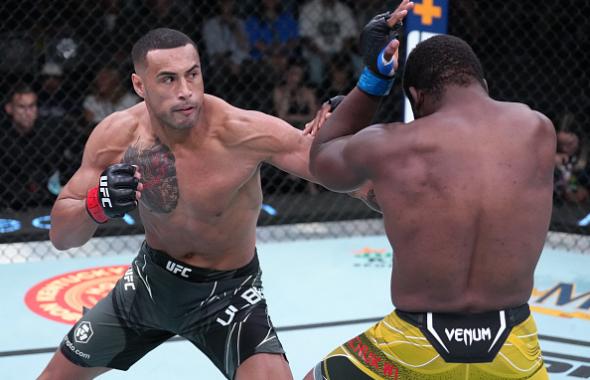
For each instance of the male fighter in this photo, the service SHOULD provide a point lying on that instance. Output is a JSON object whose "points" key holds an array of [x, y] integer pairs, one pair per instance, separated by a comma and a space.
{"points": [[190, 162], [466, 195]]}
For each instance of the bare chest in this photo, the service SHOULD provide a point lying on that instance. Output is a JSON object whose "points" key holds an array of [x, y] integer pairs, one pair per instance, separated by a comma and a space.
{"points": [[191, 183]]}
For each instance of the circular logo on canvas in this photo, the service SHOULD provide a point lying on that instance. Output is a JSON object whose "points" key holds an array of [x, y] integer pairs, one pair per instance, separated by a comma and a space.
{"points": [[63, 297]]}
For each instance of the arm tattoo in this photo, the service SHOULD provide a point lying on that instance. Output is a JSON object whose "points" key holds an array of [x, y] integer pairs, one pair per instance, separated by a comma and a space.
{"points": [[158, 175]]}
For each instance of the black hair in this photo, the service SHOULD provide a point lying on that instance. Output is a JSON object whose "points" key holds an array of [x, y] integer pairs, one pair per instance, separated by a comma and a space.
{"points": [[20, 88], [440, 61], [160, 38]]}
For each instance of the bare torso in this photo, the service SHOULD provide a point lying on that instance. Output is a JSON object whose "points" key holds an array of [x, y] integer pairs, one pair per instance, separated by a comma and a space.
{"points": [[466, 205], [200, 203]]}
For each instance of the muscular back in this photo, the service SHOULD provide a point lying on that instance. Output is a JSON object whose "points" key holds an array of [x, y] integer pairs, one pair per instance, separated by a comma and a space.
{"points": [[466, 195]]}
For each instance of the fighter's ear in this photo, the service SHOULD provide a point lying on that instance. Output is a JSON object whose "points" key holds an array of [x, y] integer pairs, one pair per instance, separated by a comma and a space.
{"points": [[8, 108], [138, 85], [417, 96]]}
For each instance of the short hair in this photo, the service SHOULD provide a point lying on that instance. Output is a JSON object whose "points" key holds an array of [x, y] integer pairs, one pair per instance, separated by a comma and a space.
{"points": [[19, 89], [160, 38], [440, 61]]}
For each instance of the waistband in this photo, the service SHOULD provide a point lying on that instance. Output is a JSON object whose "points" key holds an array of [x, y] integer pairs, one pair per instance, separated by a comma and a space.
{"points": [[514, 315], [197, 274]]}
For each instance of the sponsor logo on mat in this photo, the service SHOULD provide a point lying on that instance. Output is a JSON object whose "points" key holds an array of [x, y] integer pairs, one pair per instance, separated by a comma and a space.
{"points": [[562, 299], [63, 297]]}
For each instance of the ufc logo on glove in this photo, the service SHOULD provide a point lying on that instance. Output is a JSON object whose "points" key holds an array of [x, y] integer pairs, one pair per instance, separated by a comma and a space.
{"points": [[105, 201]]}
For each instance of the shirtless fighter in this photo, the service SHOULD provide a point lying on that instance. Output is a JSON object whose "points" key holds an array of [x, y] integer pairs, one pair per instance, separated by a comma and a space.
{"points": [[190, 162], [466, 195]]}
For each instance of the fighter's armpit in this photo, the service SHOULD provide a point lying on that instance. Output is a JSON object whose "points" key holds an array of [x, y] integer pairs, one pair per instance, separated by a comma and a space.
{"points": [[366, 193]]}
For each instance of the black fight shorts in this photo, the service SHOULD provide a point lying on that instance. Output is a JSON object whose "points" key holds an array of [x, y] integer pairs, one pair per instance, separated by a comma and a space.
{"points": [[223, 313]]}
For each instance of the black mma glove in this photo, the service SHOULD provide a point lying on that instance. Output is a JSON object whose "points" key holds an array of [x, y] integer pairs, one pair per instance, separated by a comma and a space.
{"points": [[114, 195], [377, 77]]}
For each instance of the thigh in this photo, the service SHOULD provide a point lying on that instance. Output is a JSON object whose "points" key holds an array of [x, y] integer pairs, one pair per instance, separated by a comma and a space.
{"points": [[395, 349], [519, 356], [240, 331], [390, 349], [339, 365], [111, 334]]}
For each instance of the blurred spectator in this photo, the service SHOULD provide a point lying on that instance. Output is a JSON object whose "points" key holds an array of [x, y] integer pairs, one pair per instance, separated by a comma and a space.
{"points": [[227, 46], [296, 103], [54, 100], [31, 153], [246, 7], [109, 95], [572, 171], [256, 84], [63, 38], [293, 100], [279, 63], [327, 27], [274, 37], [225, 37], [111, 11], [271, 29], [339, 79]]}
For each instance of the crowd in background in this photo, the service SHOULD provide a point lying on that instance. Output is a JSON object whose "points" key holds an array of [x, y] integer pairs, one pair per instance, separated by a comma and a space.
{"points": [[66, 65]]}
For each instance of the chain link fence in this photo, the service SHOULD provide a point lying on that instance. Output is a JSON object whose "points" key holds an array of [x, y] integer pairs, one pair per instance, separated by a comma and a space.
{"points": [[65, 65]]}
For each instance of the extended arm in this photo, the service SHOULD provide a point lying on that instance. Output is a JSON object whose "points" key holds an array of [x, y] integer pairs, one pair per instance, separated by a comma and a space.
{"points": [[276, 142]]}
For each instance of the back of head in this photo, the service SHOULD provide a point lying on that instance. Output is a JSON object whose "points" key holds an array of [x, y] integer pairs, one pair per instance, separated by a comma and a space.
{"points": [[160, 38], [441, 61]]}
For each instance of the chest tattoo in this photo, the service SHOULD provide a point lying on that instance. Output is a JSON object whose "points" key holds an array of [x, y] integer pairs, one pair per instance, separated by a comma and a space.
{"points": [[158, 175]]}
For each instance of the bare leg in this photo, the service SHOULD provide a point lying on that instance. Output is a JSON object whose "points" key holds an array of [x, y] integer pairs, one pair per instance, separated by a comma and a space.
{"points": [[60, 368], [309, 376], [264, 367]]}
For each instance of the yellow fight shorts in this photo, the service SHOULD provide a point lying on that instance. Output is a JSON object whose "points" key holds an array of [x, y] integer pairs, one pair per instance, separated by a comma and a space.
{"points": [[397, 347]]}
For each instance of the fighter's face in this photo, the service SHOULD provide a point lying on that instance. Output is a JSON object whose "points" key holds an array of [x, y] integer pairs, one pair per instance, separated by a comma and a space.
{"points": [[172, 86]]}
